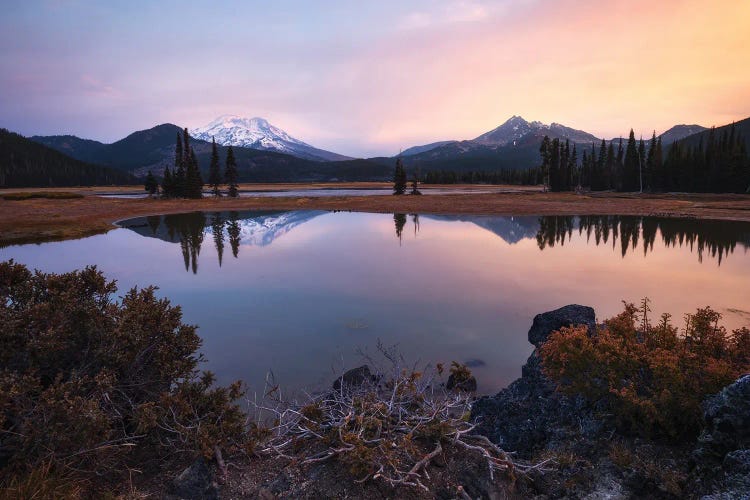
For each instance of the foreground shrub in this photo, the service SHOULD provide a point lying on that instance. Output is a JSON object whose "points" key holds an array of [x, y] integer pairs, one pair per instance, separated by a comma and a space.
{"points": [[388, 428], [91, 385], [651, 378]]}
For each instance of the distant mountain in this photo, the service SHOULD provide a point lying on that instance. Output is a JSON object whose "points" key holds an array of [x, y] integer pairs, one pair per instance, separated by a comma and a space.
{"points": [[680, 132], [516, 129], [26, 163], [82, 149], [421, 149], [153, 149], [257, 133], [741, 127], [512, 145]]}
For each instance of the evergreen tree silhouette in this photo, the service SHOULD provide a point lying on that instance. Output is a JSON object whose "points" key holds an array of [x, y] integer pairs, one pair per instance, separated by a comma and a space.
{"points": [[214, 171], [230, 174], [399, 178]]}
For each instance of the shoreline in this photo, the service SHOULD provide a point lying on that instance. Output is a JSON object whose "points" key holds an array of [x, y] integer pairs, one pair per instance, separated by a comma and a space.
{"points": [[43, 220]]}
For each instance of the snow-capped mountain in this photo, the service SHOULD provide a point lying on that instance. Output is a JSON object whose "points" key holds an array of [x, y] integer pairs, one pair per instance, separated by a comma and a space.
{"points": [[517, 128], [257, 133]]}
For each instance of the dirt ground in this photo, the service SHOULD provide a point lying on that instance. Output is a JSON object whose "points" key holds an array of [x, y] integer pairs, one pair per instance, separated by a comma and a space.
{"points": [[39, 220]]}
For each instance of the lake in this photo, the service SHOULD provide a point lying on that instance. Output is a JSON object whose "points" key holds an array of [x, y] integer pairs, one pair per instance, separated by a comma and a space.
{"points": [[301, 292]]}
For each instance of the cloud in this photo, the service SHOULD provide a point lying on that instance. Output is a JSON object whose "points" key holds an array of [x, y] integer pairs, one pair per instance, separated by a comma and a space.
{"points": [[94, 87], [462, 11]]}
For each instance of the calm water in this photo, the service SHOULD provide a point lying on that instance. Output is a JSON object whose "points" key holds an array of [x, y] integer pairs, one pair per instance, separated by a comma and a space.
{"points": [[299, 292]]}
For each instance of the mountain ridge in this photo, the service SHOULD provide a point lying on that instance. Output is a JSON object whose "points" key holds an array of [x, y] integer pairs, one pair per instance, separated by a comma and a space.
{"points": [[257, 133]]}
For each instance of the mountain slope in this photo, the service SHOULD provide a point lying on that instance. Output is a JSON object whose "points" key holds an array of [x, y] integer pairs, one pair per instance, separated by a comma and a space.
{"points": [[26, 163], [741, 127], [257, 133], [421, 149], [512, 145], [153, 149], [680, 132]]}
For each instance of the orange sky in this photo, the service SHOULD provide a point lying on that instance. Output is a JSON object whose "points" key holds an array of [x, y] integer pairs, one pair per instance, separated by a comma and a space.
{"points": [[602, 67], [371, 77]]}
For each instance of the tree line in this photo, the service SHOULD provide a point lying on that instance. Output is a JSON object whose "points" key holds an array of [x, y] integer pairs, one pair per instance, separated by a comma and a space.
{"points": [[25, 163], [524, 177], [720, 165], [185, 179]]}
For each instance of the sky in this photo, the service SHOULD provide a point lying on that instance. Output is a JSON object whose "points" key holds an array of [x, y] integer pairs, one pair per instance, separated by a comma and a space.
{"points": [[366, 78]]}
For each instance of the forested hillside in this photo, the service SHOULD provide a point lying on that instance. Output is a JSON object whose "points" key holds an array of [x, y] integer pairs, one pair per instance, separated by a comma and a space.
{"points": [[25, 163]]}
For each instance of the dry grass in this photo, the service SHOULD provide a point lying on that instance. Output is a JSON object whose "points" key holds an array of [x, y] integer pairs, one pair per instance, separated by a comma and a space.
{"points": [[42, 219]]}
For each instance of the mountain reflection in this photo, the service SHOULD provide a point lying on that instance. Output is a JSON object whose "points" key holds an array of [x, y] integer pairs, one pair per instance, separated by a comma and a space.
{"points": [[624, 234]]}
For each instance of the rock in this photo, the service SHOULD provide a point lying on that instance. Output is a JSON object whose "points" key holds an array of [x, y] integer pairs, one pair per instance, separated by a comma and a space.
{"points": [[355, 378], [727, 417], [722, 456], [569, 315], [465, 384], [737, 462], [529, 414], [195, 483]]}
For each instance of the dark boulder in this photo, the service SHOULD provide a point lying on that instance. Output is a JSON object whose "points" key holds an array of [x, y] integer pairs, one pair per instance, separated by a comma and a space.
{"points": [[570, 315], [722, 456], [355, 378], [727, 417], [195, 483], [529, 415]]}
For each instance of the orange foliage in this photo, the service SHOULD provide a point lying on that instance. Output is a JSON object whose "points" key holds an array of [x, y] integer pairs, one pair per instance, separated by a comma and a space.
{"points": [[652, 378]]}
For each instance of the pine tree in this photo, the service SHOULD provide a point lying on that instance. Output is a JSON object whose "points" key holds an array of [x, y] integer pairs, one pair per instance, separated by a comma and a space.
{"points": [[399, 178], [230, 174], [151, 186], [630, 168], [167, 183], [544, 151], [619, 167], [609, 167], [193, 180], [651, 167], [574, 179], [178, 177], [214, 172], [641, 165]]}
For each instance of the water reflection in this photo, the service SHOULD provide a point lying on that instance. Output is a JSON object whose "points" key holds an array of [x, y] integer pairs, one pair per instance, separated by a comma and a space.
{"points": [[716, 239], [625, 234], [299, 292]]}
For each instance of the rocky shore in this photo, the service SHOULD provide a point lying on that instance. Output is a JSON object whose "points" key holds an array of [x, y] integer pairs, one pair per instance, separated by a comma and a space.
{"points": [[533, 420], [587, 458]]}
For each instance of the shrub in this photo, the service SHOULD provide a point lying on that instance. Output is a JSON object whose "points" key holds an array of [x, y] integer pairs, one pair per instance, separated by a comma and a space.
{"points": [[652, 378], [389, 428], [91, 385]]}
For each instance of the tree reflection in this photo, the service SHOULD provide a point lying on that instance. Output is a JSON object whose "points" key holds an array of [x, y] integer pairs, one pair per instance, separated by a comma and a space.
{"points": [[233, 230], [217, 228], [400, 221], [189, 229], [716, 239]]}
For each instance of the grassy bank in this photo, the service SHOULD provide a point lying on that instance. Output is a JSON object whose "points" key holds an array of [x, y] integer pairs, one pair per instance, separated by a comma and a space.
{"points": [[44, 219]]}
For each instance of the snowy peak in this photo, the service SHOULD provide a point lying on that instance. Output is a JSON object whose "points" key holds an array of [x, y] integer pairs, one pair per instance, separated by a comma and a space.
{"points": [[257, 133], [517, 128]]}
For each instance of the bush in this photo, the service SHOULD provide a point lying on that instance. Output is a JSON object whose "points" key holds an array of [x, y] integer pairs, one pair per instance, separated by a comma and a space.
{"points": [[651, 378], [388, 428], [91, 385]]}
